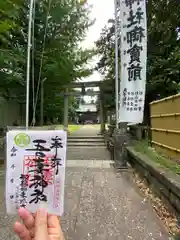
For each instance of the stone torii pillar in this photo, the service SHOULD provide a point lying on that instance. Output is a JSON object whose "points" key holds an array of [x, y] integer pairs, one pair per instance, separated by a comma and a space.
{"points": [[102, 117], [66, 109]]}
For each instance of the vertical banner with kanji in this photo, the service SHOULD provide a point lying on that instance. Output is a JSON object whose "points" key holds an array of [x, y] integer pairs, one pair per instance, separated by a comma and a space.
{"points": [[35, 170], [133, 60]]}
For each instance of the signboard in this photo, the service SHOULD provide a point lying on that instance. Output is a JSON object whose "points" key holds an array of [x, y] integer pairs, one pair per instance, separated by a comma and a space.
{"points": [[133, 60], [35, 170]]}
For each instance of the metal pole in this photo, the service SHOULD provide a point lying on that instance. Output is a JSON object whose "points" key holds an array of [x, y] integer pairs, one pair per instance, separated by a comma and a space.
{"points": [[33, 62], [116, 63], [66, 110], [28, 62]]}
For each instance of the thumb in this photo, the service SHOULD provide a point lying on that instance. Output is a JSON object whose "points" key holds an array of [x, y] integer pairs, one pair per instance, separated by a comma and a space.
{"points": [[41, 231]]}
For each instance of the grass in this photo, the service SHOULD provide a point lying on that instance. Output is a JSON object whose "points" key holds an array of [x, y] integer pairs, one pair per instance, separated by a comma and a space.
{"points": [[71, 128], [144, 148], [45, 127]]}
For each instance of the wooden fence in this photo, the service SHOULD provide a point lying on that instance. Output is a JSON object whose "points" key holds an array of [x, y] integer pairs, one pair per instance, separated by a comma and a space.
{"points": [[165, 125]]}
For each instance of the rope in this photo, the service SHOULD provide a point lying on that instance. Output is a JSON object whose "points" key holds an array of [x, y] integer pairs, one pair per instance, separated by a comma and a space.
{"points": [[41, 62]]}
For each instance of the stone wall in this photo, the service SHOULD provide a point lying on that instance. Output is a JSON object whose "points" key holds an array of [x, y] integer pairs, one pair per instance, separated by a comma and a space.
{"points": [[10, 111], [165, 183]]}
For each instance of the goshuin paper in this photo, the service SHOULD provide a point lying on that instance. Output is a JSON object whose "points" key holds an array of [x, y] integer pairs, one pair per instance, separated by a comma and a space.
{"points": [[35, 170]]}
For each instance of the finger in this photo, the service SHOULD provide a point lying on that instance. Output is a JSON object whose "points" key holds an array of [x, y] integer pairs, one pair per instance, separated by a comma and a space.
{"points": [[21, 231], [27, 218], [54, 226], [53, 221], [32, 233], [41, 225]]}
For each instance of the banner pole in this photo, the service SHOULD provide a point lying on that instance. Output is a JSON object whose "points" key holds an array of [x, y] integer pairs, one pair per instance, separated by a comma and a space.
{"points": [[28, 62], [116, 64]]}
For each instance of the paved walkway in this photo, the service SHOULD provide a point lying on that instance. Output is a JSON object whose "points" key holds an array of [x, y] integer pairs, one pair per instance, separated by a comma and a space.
{"points": [[100, 204], [103, 205]]}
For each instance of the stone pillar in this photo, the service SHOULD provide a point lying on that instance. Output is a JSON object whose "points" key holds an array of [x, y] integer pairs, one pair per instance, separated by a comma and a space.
{"points": [[102, 117], [66, 107], [121, 140], [139, 133]]}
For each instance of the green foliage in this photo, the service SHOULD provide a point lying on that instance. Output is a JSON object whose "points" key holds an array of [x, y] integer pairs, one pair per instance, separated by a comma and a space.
{"points": [[59, 27], [163, 48], [163, 59], [8, 13], [157, 157], [106, 65]]}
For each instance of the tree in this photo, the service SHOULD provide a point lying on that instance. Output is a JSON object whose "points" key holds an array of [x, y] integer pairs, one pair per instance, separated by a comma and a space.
{"points": [[64, 61], [163, 58], [59, 27], [163, 48], [106, 65], [8, 13], [11, 54]]}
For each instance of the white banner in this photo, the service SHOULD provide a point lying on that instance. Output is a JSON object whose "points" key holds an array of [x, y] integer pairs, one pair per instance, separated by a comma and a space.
{"points": [[133, 60]]}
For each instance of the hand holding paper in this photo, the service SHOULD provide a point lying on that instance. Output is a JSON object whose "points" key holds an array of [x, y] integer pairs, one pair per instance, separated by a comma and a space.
{"points": [[42, 226]]}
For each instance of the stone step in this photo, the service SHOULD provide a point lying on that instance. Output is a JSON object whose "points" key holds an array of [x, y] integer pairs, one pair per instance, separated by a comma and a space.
{"points": [[85, 140], [87, 148], [85, 137], [86, 144]]}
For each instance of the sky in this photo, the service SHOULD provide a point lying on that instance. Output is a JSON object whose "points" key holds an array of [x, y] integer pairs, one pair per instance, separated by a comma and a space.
{"points": [[102, 10]]}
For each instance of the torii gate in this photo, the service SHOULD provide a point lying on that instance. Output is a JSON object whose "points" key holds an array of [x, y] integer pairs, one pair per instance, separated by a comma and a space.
{"points": [[83, 86]]}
